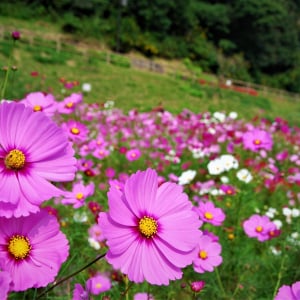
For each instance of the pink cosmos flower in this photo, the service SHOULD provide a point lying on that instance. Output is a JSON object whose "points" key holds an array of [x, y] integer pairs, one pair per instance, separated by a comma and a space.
{"points": [[79, 193], [143, 296], [133, 154], [257, 139], [79, 293], [289, 292], [110, 172], [33, 152], [210, 214], [68, 105], [207, 255], [5, 281], [32, 250], [96, 233], [98, 284], [40, 102], [100, 153], [259, 227], [151, 230], [228, 189], [76, 131]]}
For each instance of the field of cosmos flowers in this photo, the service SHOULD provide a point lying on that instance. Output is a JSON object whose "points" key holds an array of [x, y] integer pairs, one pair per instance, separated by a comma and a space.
{"points": [[96, 203]]}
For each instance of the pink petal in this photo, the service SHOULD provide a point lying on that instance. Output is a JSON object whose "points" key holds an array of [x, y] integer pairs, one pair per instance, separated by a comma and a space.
{"points": [[141, 189], [119, 209]]}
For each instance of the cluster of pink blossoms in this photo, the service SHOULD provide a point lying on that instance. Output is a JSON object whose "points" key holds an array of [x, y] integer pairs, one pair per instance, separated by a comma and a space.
{"points": [[34, 152]]}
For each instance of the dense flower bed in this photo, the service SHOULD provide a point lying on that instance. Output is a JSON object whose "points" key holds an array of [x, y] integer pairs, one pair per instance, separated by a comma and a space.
{"points": [[199, 199]]}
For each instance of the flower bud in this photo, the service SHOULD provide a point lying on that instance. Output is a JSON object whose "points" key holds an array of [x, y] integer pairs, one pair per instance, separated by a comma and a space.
{"points": [[197, 286], [16, 35]]}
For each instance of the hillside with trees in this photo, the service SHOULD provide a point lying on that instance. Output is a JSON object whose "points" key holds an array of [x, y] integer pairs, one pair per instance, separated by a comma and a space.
{"points": [[253, 40]]}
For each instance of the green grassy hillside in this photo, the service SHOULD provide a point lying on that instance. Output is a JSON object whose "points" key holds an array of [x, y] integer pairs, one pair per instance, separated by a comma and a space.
{"points": [[128, 87]]}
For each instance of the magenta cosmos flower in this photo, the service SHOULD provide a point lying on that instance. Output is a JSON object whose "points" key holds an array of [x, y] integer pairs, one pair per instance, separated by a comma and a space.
{"points": [[69, 104], [32, 250], [289, 292], [79, 193], [259, 227], [79, 293], [210, 214], [33, 152], [94, 286], [76, 131], [133, 154], [207, 255], [98, 284], [257, 139], [40, 102], [151, 231]]}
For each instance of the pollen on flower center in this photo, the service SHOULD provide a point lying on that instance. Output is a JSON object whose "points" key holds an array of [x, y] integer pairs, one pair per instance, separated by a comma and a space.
{"points": [[147, 227], [19, 246], [257, 142], [15, 159], [79, 196], [203, 254], [98, 285], [208, 216], [69, 105], [259, 229], [37, 108], [75, 130]]}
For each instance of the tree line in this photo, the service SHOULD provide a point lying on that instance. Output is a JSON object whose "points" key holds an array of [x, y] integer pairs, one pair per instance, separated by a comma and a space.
{"points": [[254, 40]]}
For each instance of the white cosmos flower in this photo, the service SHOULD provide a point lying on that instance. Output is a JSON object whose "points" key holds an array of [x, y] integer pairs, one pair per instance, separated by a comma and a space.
{"points": [[86, 87], [219, 116], [93, 243], [244, 175], [271, 212], [216, 167], [186, 177], [229, 161], [278, 223], [295, 212], [233, 115]]}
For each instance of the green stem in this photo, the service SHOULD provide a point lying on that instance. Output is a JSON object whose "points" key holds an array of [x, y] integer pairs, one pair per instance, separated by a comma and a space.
{"points": [[70, 276], [128, 286], [279, 275], [220, 282], [7, 73]]}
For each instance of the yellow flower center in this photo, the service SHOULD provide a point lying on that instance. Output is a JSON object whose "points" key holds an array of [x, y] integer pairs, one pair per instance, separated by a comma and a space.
{"points": [[147, 227], [208, 216], [259, 229], [75, 130], [15, 159], [229, 192], [203, 254], [257, 142], [231, 236], [19, 246], [37, 108], [98, 285], [69, 105], [79, 196]]}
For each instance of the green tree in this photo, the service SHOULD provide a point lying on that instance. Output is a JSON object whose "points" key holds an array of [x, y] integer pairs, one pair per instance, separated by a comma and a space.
{"points": [[266, 32]]}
